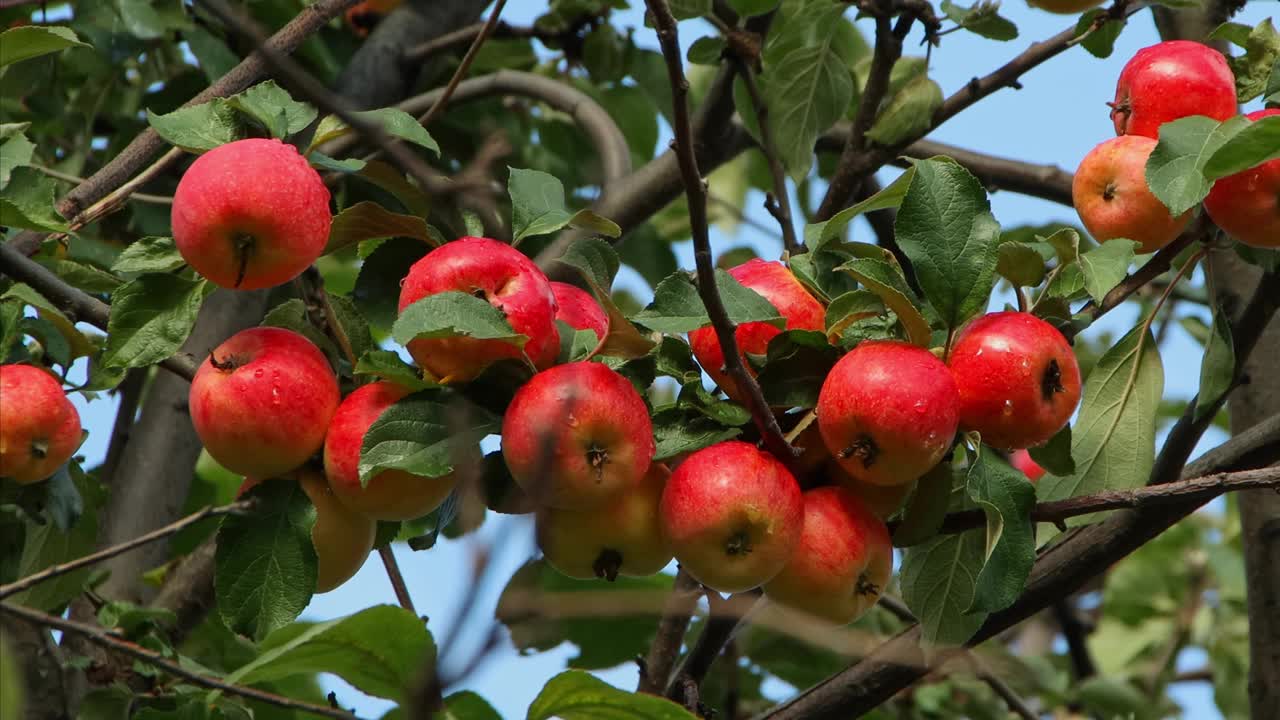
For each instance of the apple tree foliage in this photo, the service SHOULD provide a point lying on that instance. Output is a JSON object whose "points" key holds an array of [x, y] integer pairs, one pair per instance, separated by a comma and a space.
{"points": [[77, 89]]}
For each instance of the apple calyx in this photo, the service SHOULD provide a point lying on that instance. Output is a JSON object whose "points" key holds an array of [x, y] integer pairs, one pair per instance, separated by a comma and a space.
{"points": [[865, 586], [607, 564], [598, 457], [864, 448], [1051, 381], [40, 449], [738, 543]]}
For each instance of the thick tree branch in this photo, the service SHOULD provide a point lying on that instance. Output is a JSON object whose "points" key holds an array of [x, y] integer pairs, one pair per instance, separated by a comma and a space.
{"points": [[679, 607], [105, 638], [54, 571], [696, 192]]}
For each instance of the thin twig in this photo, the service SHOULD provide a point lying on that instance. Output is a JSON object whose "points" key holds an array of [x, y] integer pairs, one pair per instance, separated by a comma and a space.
{"points": [[1076, 634], [726, 617], [68, 177], [656, 667], [54, 571], [1001, 688], [105, 638], [397, 580], [696, 192], [779, 202], [464, 66]]}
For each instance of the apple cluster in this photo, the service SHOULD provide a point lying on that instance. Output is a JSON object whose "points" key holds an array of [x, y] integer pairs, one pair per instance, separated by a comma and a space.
{"points": [[1160, 84]]}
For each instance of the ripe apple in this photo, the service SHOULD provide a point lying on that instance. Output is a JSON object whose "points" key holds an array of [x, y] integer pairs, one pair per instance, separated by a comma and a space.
{"points": [[1022, 462], [39, 427], [1065, 7], [888, 412], [1172, 80], [1247, 204], [621, 537], [505, 278], [342, 537], [776, 283], [1111, 195], [262, 401], [251, 214], [391, 494], [731, 515], [1018, 379], [577, 308], [577, 435], [882, 500], [841, 564]]}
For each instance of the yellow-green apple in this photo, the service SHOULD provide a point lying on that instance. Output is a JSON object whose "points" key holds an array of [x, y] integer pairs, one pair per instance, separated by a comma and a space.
{"points": [[262, 401], [1111, 195], [1171, 80], [776, 283], [342, 537], [509, 281], [577, 435], [1065, 7], [882, 500], [579, 310], [1022, 462], [391, 494], [731, 515], [251, 214], [621, 537], [1018, 379], [888, 412], [1247, 204], [842, 562], [39, 427]]}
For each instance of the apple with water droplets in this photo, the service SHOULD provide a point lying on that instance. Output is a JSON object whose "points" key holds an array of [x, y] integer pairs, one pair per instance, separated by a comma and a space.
{"points": [[1172, 80], [1247, 204], [579, 310], [1111, 195], [39, 427]]}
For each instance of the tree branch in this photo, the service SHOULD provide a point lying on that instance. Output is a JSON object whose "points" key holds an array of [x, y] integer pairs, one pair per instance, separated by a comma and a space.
{"points": [[106, 639], [725, 617], [397, 579], [439, 105], [696, 192], [777, 203], [656, 667], [54, 571]]}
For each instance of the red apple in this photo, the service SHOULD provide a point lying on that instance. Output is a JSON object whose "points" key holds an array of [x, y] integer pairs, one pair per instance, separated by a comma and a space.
{"points": [[621, 537], [577, 436], [1018, 379], [39, 427], [262, 401], [579, 310], [1247, 204], [391, 494], [731, 515], [251, 214], [1111, 195], [888, 412], [1172, 80], [501, 275], [841, 564], [776, 283], [1022, 462]]}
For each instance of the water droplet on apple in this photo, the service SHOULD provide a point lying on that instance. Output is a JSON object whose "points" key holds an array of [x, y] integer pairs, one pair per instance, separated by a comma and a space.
{"points": [[257, 373]]}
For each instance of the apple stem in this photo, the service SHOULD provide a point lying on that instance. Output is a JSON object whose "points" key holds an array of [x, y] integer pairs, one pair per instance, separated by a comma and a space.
{"points": [[224, 365], [607, 564], [244, 248]]}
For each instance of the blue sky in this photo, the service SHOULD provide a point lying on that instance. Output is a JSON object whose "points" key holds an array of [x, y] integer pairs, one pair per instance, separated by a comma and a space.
{"points": [[1057, 117]]}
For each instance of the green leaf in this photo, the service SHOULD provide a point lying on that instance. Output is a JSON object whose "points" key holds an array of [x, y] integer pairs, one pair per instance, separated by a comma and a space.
{"points": [[688, 9], [78, 343], [27, 202], [387, 365], [795, 367], [453, 314], [677, 308], [12, 683], [537, 207], [576, 695], [909, 113], [1176, 168], [46, 544], [648, 254], [927, 507], [320, 161], [1020, 264], [379, 650], [1101, 42], [149, 255], [886, 281], [724, 412], [983, 19], [394, 181], [293, 315], [677, 431], [706, 50], [151, 317], [1271, 96], [807, 91], [1113, 441], [1055, 455], [394, 121], [377, 290], [816, 235], [352, 323], [850, 308], [424, 434], [939, 583], [29, 41], [198, 128], [212, 54], [367, 220], [467, 705], [273, 108], [1218, 367], [1106, 265], [15, 151], [1253, 69], [945, 226], [1254, 144], [1006, 497], [81, 276], [265, 567], [152, 19], [595, 259]]}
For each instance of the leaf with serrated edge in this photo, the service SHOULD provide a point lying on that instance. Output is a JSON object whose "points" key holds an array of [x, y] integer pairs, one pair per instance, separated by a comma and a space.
{"points": [[818, 234], [368, 220], [808, 91], [1113, 441], [939, 581], [1175, 171], [150, 254], [1106, 265], [927, 507], [1218, 367], [576, 695], [423, 434], [1255, 144], [1005, 497], [885, 281], [150, 318], [29, 41], [454, 314], [677, 307]]}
